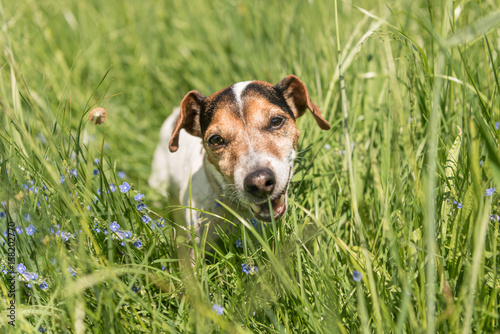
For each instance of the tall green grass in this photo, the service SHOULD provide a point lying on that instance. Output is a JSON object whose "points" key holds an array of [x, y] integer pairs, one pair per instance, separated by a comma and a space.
{"points": [[399, 191]]}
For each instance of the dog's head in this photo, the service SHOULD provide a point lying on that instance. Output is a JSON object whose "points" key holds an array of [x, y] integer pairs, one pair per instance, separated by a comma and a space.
{"points": [[250, 136]]}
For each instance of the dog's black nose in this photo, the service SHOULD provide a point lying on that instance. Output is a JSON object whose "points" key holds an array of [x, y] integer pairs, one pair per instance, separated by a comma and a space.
{"points": [[260, 183]]}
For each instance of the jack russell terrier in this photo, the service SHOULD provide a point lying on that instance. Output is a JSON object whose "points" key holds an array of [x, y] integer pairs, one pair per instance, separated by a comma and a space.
{"points": [[235, 146]]}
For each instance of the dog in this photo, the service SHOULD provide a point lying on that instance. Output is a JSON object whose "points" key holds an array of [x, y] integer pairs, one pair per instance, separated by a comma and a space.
{"points": [[235, 147]]}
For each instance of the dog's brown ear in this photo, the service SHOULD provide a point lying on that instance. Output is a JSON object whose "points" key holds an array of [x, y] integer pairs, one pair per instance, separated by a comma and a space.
{"points": [[189, 119], [297, 98]]}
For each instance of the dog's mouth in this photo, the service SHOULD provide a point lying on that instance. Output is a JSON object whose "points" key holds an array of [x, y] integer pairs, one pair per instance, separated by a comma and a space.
{"points": [[278, 205]]}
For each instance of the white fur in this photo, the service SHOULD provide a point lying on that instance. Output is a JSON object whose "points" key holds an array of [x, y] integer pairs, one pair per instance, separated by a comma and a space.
{"points": [[238, 89], [172, 172]]}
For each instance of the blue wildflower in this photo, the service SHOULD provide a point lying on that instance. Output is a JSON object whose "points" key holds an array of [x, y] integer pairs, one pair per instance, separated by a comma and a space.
{"points": [[96, 172], [19, 230], [161, 222], [33, 276], [135, 289], [480, 162], [125, 187], [96, 161], [497, 125], [141, 206], [245, 268], [98, 192], [2, 214], [490, 191], [43, 286], [21, 268], [146, 219], [72, 271], [357, 276], [139, 197], [114, 226], [112, 187], [62, 179], [74, 172], [128, 234], [121, 174], [495, 218], [40, 329], [255, 224], [459, 205], [138, 244], [30, 230], [239, 243], [217, 308]]}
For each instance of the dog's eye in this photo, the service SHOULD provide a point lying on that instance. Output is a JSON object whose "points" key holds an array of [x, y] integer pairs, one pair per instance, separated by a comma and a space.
{"points": [[277, 123], [216, 141]]}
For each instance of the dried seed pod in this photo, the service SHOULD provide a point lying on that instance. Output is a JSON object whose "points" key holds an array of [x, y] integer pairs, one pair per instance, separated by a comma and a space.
{"points": [[97, 115]]}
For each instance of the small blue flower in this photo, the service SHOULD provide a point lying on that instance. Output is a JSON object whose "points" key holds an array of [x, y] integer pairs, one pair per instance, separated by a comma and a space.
{"points": [[497, 125], [112, 187], [125, 187], [146, 219], [495, 218], [19, 230], [161, 222], [135, 289], [97, 161], [139, 197], [33, 276], [138, 244], [21, 268], [74, 172], [217, 308], [114, 226], [42, 330], [245, 268], [72, 271], [30, 230], [357, 276], [96, 172], [128, 234], [255, 224], [43, 286], [2, 214], [480, 162], [490, 191], [121, 174], [62, 179], [239, 243], [459, 205], [141, 206]]}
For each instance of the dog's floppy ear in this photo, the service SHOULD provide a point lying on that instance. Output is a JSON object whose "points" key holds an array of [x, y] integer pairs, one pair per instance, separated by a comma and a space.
{"points": [[297, 98], [189, 119]]}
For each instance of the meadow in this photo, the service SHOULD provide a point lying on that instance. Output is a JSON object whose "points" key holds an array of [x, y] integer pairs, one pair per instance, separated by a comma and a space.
{"points": [[393, 217]]}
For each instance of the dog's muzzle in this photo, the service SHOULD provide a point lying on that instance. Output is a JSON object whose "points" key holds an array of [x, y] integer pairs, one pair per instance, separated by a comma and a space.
{"points": [[260, 184]]}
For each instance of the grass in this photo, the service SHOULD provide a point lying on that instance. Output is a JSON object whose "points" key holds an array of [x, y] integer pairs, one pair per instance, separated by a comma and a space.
{"points": [[400, 190]]}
